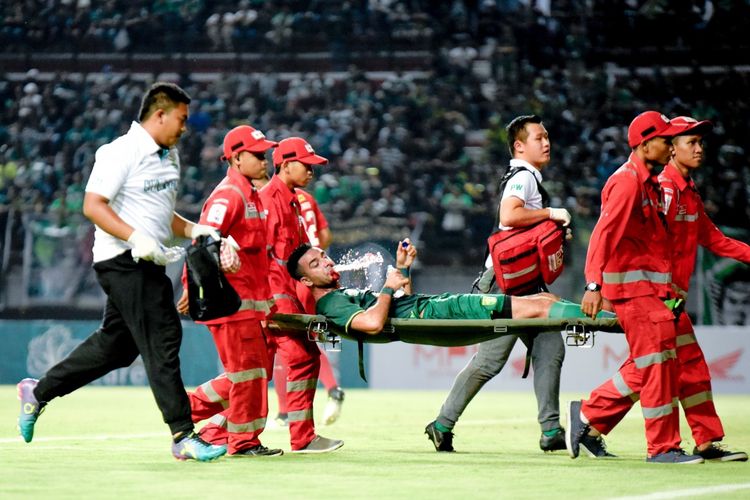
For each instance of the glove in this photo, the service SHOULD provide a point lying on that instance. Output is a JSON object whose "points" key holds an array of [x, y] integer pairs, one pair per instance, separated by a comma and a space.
{"points": [[560, 215], [484, 281], [230, 260], [204, 230], [147, 248]]}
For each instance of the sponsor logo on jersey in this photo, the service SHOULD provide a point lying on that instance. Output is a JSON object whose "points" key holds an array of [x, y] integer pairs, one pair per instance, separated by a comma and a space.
{"points": [[156, 185]]}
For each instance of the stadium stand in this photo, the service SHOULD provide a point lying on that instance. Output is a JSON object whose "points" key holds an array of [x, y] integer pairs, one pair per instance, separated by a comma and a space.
{"points": [[408, 98]]}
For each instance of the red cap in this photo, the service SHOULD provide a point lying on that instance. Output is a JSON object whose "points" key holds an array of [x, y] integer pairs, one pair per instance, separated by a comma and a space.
{"points": [[648, 125], [296, 149], [245, 138], [691, 126]]}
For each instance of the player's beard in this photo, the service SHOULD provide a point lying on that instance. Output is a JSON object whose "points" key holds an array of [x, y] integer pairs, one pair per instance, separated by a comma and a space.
{"points": [[334, 283]]}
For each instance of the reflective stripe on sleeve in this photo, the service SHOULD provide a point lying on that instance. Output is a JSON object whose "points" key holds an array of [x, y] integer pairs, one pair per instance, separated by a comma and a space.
{"points": [[256, 305], [637, 275], [686, 217], [686, 339]]}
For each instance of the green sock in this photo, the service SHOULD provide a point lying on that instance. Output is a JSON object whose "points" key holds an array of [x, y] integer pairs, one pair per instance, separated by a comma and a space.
{"points": [[552, 432], [441, 427], [567, 309]]}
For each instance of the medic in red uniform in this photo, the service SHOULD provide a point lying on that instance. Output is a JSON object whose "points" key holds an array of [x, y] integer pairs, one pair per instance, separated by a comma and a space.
{"points": [[235, 209], [294, 159], [628, 263], [689, 227]]}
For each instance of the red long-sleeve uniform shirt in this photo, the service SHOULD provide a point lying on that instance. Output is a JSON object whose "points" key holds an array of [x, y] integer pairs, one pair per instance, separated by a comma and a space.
{"points": [[235, 209], [312, 217], [285, 232], [689, 226], [628, 250]]}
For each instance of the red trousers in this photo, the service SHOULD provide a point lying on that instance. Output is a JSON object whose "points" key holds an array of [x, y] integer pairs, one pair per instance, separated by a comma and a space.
{"points": [[650, 371], [302, 359], [327, 378], [696, 396], [238, 399]]}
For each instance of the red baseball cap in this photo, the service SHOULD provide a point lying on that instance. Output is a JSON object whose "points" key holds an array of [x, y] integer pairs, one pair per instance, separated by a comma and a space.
{"points": [[648, 125], [691, 126], [245, 138], [296, 149]]}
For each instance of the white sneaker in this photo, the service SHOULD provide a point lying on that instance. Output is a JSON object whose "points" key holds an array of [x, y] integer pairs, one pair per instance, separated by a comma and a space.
{"points": [[332, 411]]}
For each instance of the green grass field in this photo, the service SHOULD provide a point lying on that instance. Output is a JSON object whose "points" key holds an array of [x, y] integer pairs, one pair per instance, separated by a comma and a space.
{"points": [[110, 443]]}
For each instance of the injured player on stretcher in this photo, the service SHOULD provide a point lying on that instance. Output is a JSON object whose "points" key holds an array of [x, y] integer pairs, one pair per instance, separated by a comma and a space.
{"points": [[366, 311]]}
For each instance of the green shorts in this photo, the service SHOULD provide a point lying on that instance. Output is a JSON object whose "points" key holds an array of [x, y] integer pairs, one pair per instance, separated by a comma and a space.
{"points": [[466, 306]]}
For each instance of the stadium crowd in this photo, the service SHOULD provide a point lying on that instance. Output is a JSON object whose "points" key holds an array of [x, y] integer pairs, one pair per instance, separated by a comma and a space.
{"points": [[424, 142], [308, 25]]}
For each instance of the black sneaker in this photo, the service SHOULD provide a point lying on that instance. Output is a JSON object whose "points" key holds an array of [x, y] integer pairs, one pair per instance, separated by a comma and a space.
{"points": [[676, 456], [259, 451], [575, 429], [443, 441], [555, 442], [594, 447], [717, 452]]}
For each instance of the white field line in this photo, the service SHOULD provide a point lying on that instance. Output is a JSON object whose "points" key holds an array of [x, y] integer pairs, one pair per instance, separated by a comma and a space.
{"points": [[691, 492], [101, 437]]}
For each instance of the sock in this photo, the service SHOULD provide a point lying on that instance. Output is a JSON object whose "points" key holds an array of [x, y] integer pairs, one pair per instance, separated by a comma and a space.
{"points": [[441, 427], [567, 309], [552, 432]]}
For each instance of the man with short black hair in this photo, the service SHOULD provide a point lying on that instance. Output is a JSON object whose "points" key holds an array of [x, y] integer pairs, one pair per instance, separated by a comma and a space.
{"points": [[523, 203], [234, 208], [366, 311], [294, 159], [130, 197], [628, 262], [689, 227]]}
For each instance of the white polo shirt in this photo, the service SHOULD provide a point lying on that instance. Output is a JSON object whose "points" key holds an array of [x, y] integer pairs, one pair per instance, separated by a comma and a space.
{"points": [[524, 187], [140, 180]]}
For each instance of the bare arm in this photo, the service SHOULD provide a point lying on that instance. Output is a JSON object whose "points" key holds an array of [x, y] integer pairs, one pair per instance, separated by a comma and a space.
{"points": [[96, 208], [181, 226], [406, 253], [513, 213], [325, 237], [373, 319]]}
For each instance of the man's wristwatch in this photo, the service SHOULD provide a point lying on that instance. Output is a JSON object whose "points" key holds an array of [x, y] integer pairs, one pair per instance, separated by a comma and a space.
{"points": [[593, 287]]}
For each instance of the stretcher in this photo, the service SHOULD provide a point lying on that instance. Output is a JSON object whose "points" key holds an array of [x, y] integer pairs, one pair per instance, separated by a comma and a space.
{"points": [[579, 332]]}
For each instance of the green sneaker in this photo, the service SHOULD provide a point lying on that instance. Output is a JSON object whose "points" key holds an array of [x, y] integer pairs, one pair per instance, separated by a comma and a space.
{"points": [[30, 408]]}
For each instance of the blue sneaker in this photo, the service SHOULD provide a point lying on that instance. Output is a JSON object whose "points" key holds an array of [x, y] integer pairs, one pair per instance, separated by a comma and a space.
{"points": [[192, 447], [30, 408], [677, 456]]}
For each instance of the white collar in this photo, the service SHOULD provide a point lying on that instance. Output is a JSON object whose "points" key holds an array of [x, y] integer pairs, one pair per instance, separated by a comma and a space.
{"points": [[516, 162], [143, 139]]}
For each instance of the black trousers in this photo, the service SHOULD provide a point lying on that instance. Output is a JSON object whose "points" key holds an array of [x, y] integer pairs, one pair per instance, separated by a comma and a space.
{"points": [[139, 318]]}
